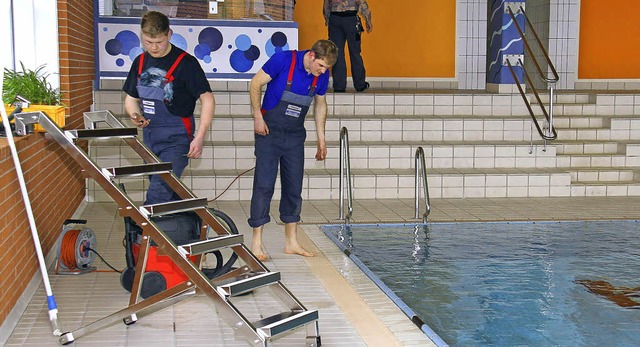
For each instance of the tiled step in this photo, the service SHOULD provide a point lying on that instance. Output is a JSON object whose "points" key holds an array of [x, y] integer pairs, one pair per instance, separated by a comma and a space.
{"points": [[604, 174], [589, 147], [605, 189], [382, 183], [601, 160], [475, 144], [239, 155]]}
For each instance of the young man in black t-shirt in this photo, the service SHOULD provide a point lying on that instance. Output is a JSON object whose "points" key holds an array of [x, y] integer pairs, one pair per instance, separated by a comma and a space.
{"points": [[162, 88]]}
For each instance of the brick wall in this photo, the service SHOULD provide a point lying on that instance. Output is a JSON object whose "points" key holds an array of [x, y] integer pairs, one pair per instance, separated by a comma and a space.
{"points": [[53, 178]]}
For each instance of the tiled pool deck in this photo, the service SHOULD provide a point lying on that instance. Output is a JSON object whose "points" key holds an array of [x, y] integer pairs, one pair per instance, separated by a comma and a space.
{"points": [[353, 311]]}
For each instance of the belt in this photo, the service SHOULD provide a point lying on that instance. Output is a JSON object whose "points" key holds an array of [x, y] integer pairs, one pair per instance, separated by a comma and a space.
{"points": [[345, 13]]}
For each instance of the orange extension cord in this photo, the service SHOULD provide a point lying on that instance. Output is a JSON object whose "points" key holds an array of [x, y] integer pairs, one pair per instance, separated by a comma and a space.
{"points": [[68, 253]]}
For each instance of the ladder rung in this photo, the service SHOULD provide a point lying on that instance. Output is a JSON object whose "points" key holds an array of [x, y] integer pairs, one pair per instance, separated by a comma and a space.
{"points": [[283, 322], [247, 284], [102, 133], [204, 246], [138, 170], [174, 206]]}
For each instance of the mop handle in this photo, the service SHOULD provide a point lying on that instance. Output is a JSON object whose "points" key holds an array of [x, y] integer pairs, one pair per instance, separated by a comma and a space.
{"points": [[53, 308]]}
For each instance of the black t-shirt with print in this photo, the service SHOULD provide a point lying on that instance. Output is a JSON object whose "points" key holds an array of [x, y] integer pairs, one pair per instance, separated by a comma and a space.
{"points": [[180, 95]]}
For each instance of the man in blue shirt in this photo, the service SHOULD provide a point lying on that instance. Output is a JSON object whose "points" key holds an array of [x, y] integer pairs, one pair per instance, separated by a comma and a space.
{"points": [[294, 79]]}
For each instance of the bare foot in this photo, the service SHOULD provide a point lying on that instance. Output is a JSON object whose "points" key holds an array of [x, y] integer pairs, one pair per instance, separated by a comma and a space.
{"points": [[259, 252], [298, 250]]}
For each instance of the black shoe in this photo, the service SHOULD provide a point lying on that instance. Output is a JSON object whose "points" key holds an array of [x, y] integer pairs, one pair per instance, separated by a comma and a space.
{"points": [[339, 91], [366, 86]]}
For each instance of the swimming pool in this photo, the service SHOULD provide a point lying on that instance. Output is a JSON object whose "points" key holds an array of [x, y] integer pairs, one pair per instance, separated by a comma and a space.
{"points": [[508, 284]]}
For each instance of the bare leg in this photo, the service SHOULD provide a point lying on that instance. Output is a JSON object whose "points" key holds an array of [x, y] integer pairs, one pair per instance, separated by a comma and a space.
{"points": [[256, 244], [291, 241]]}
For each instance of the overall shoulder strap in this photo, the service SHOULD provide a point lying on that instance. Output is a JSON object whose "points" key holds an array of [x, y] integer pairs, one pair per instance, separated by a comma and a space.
{"points": [[169, 76]]}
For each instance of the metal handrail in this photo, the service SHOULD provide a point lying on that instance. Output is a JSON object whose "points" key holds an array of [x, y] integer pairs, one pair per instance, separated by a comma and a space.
{"points": [[552, 134], [345, 173], [555, 77], [420, 163]]}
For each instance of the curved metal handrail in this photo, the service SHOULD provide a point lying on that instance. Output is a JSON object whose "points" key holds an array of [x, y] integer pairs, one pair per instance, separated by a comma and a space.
{"points": [[345, 172], [555, 77], [420, 163], [552, 134], [548, 116]]}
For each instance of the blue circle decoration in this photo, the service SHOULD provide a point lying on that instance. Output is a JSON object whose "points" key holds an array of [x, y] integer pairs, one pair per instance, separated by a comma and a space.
{"points": [[230, 46], [179, 41], [279, 39], [277, 43], [215, 69], [202, 50], [105, 29], [113, 47], [239, 62], [212, 37], [259, 31], [243, 42], [190, 30], [129, 40], [134, 52], [253, 53], [269, 48], [120, 62], [207, 59]]}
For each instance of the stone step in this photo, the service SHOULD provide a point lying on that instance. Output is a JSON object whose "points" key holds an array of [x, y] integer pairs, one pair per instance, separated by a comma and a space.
{"points": [[590, 147], [604, 174], [373, 183]]}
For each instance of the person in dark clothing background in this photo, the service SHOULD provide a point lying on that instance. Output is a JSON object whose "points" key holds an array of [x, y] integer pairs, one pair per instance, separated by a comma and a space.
{"points": [[341, 18], [161, 89]]}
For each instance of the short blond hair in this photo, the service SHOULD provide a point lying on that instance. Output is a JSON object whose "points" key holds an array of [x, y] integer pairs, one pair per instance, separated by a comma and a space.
{"points": [[154, 24]]}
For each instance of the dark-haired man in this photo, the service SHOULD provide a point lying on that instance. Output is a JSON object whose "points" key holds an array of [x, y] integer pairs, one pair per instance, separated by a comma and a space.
{"points": [[294, 80]]}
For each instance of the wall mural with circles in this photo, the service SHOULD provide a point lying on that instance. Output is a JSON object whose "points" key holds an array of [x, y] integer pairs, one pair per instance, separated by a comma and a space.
{"points": [[225, 49]]}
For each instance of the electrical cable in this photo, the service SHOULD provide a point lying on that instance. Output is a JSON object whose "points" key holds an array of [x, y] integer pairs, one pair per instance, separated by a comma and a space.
{"points": [[229, 186], [104, 261]]}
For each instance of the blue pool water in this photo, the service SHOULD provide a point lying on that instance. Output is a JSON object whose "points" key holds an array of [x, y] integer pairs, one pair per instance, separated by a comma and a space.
{"points": [[506, 284]]}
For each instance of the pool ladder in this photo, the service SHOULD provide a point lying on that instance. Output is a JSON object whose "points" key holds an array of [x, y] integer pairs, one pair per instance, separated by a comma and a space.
{"points": [[421, 171], [345, 176]]}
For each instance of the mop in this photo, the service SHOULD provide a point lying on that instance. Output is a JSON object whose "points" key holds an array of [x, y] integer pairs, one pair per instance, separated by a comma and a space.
{"points": [[53, 308]]}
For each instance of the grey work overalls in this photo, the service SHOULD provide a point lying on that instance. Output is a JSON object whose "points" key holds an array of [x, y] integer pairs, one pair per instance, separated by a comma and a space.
{"points": [[167, 135]]}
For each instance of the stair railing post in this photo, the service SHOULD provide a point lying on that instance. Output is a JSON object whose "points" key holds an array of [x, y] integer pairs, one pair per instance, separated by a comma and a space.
{"points": [[421, 170], [345, 176]]}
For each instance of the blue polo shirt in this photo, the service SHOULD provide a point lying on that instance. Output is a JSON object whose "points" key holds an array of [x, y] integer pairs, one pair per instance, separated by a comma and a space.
{"points": [[278, 68]]}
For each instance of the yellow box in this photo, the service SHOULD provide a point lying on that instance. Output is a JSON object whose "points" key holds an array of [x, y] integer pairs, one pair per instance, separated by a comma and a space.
{"points": [[56, 113]]}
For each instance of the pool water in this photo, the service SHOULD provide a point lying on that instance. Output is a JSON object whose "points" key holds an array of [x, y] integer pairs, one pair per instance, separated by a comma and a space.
{"points": [[508, 284]]}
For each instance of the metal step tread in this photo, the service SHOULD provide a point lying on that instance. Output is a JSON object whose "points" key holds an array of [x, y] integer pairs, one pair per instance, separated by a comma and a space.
{"points": [[283, 322], [138, 170], [247, 282], [174, 207], [204, 246], [102, 133]]}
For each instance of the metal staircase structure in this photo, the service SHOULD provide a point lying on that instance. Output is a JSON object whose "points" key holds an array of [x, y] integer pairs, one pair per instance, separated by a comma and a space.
{"points": [[221, 290]]}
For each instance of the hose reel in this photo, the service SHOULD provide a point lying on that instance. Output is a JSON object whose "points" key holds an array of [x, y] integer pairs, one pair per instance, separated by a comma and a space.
{"points": [[75, 248]]}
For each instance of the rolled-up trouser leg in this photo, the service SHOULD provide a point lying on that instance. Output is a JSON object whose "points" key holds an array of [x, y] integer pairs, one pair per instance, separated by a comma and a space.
{"points": [[264, 180]]}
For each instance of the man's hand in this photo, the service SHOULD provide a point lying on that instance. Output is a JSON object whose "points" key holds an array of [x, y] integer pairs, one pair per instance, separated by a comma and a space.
{"points": [[195, 148], [139, 120], [260, 126], [321, 154]]}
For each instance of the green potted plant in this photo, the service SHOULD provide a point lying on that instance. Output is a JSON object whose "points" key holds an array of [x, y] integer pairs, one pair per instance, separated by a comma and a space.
{"points": [[33, 86]]}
